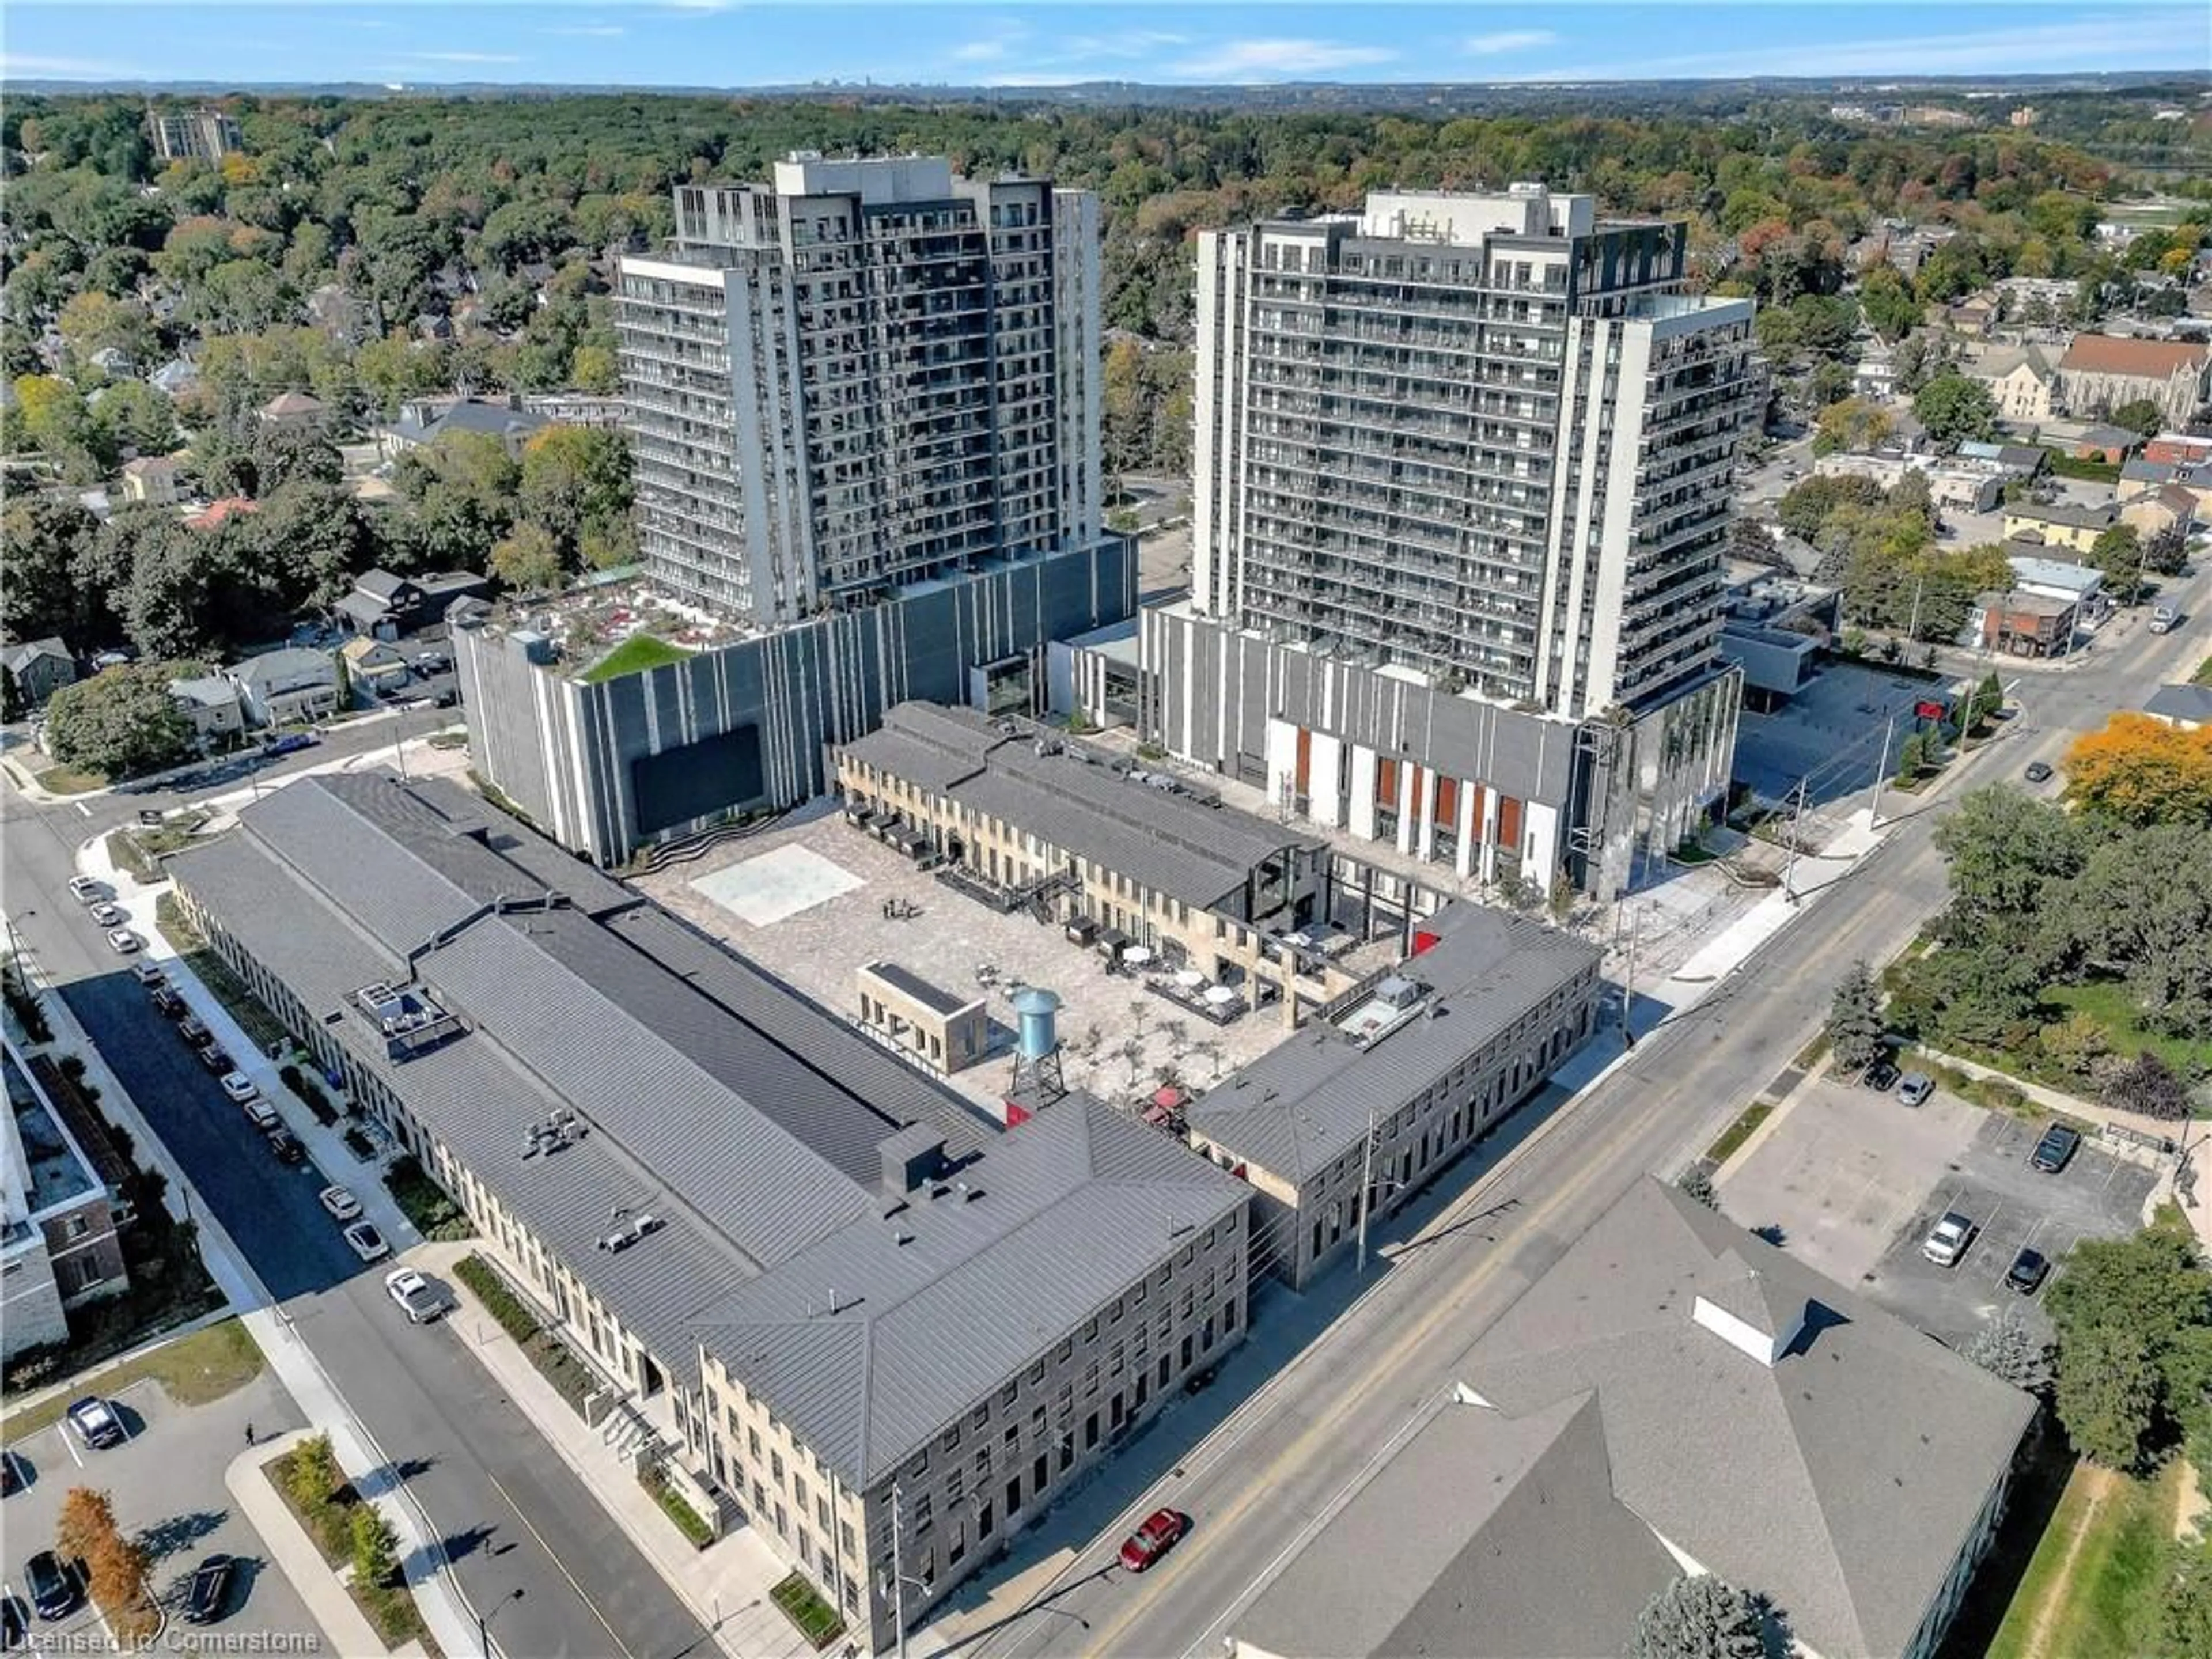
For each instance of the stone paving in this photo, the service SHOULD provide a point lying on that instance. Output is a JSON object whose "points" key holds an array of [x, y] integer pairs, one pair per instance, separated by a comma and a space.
{"points": [[819, 949]]}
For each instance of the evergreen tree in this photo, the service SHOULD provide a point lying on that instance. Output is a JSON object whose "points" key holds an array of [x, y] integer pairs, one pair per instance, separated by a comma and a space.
{"points": [[2005, 1347], [1700, 1618], [1856, 1028]]}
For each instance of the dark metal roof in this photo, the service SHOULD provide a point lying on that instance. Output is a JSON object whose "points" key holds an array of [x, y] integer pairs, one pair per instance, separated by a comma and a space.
{"points": [[934, 999], [1303, 1105]]}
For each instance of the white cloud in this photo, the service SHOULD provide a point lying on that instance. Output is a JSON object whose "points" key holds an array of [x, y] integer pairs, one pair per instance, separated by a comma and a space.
{"points": [[21, 66], [697, 8], [2084, 45], [1252, 60], [1134, 43], [599, 31], [1508, 40], [462, 57]]}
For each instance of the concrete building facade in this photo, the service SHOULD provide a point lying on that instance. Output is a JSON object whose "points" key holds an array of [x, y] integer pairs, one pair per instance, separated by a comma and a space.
{"points": [[195, 135], [2101, 373], [1476, 447], [867, 373], [59, 1248]]}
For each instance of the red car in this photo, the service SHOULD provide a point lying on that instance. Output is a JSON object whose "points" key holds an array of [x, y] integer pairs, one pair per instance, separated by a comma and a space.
{"points": [[1154, 1539]]}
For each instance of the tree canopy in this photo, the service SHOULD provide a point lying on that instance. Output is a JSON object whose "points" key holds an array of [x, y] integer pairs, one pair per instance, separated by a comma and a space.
{"points": [[122, 722]]}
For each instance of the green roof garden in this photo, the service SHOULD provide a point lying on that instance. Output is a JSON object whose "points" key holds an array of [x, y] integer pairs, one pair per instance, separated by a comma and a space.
{"points": [[634, 656]]}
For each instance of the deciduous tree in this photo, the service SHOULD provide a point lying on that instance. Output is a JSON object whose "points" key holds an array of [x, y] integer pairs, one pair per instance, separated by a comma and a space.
{"points": [[1952, 408], [2142, 771], [46, 538], [120, 722], [2130, 1315], [2146, 1084]]}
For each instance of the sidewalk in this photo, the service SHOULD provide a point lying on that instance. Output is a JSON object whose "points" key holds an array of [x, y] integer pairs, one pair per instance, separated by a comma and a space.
{"points": [[294, 1553], [725, 1585]]}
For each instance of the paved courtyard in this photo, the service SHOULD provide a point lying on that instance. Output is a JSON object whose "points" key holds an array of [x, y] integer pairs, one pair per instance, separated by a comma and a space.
{"points": [[1830, 732], [1116, 1033], [1851, 1181], [167, 1484]]}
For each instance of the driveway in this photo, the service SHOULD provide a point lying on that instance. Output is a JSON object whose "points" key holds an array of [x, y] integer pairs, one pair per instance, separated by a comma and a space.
{"points": [[167, 1484]]}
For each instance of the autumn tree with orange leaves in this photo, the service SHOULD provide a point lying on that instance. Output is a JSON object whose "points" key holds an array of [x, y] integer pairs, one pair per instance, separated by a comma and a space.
{"points": [[2142, 771], [115, 1566]]}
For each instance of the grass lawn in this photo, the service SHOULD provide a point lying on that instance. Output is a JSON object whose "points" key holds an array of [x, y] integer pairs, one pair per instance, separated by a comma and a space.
{"points": [[634, 656], [2092, 1589], [70, 781], [2203, 674], [809, 1609], [255, 1021], [1738, 1132], [193, 1370], [2106, 1002]]}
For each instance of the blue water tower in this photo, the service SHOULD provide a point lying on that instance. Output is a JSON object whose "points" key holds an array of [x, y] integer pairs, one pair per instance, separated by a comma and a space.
{"points": [[1037, 1008]]}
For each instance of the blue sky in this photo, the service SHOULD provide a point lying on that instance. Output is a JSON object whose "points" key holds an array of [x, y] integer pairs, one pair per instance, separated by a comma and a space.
{"points": [[737, 43]]}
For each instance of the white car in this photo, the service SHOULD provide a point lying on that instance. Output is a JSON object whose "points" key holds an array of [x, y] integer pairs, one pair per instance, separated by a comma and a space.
{"points": [[342, 1205], [414, 1293], [366, 1241], [147, 972], [239, 1087], [1946, 1241], [86, 890], [109, 915], [122, 941]]}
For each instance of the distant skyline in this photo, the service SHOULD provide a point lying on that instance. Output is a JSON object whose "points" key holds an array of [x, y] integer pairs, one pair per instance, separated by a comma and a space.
{"points": [[735, 43]]}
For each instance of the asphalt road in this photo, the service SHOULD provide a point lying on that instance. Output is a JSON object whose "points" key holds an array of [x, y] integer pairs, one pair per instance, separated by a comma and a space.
{"points": [[1259, 1485], [514, 1518]]}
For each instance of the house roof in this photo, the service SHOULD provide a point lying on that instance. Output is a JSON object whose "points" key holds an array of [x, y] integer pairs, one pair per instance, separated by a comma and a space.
{"points": [[220, 513], [293, 403], [1484, 1537], [2115, 354], [2181, 702], [144, 467], [1305, 1103], [1842, 1480], [2109, 437], [381, 583], [2100, 517], [290, 662], [2079, 580], [207, 690], [2020, 603], [750, 1121], [1173, 843], [368, 654], [24, 653], [470, 415]]}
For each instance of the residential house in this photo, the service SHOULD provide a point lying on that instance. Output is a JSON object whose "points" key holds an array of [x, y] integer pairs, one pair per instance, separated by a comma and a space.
{"points": [[2109, 444], [60, 1204], [150, 481], [374, 668], [2174, 448], [1975, 315], [2024, 460], [41, 667], [2155, 511], [432, 326], [2019, 378], [175, 378], [115, 363], [2101, 373], [2081, 585], [286, 687], [427, 419], [2022, 625], [296, 411], [1672, 1395], [390, 606], [2188, 707], [1874, 375], [2059, 523], [216, 513], [213, 705]]}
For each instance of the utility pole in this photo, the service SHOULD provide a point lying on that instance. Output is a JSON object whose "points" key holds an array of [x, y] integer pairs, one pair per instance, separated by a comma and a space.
{"points": [[1790, 868], [1912, 628], [1880, 776], [1366, 1188], [1628, 984]]}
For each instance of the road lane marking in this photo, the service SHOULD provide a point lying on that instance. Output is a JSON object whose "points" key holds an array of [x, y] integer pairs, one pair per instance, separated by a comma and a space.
{"points": [[559, 1565]]}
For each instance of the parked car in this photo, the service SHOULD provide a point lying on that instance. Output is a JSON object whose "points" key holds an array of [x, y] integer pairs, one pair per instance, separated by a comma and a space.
{"points": [[1915, 1088], [14, 1623], [261, 1115], [1946, 1240], [52, 1583], [15, 1473], [193, 1032], [210, 1589], [167, 1002], [1881, 1076], [287, 1147], [2028, 1272], [108, 915], [1161, 1532], [86, 890], [239, 1087], [342, 1205], [2057, 1149], [416, 1296], [149, 973], [289, 743], [96, 1424], [365, 1241], [122, 941], [2037, 772], [217, 1059], [2163, 617]]}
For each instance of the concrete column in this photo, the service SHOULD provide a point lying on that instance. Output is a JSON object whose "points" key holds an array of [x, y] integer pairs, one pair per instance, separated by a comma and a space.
{"points": [[1360, 820], [1467, 829], [1425, 812], [1326, 780], [1405, 807], [1487, 864]]}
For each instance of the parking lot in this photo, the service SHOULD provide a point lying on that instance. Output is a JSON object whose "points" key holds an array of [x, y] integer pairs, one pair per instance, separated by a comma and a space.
{"points": [[167, 1485], [1851, 1181], [2013, 1206]]}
